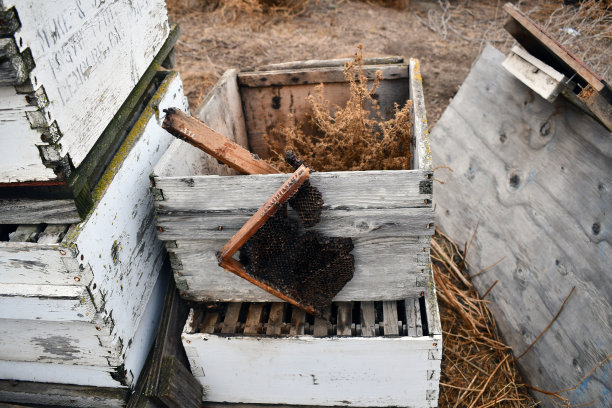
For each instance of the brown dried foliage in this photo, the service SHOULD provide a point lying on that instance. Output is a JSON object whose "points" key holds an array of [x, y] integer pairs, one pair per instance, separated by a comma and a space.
{"points": [[353, 137], [478, 369]]}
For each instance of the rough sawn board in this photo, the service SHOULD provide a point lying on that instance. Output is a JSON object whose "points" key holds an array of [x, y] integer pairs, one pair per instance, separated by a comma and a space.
{"points": [[538, 178]]}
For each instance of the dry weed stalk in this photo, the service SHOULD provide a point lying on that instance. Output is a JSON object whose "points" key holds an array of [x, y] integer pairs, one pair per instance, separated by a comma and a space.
{"points": [[477, 367], [354, 137]]}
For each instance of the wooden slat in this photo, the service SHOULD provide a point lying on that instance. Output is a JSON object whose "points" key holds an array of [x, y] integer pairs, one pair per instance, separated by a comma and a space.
{"points": [[344, 318], [178, 388], [52, 234], [339, 62], [275, 320], [315, 75], [418, 320], [377, 275], [421, 150], [390, 318], [375, 189], [298, 319], [231, 318], [198, 134], [368, 319], [209, 322], [411, 318], [540, 44], [26, 233], [253, 322]]}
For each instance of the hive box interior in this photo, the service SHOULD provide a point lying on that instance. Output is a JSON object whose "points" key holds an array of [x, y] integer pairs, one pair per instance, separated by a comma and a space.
{"points": [[200, 203]]}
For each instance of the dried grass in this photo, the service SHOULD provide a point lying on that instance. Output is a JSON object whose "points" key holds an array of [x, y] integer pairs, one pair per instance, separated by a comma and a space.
{"points": [[353, 137], [478, 369]]}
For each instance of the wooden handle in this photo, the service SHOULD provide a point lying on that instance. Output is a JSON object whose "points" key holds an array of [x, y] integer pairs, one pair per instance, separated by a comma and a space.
{"points": [[196, 133], [250, 227], [237, 268]]}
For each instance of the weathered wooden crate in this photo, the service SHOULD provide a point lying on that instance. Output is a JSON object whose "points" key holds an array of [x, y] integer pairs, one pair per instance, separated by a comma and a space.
{"points": [[79, 304], [70, 74], [370, 353], [388, 214]]}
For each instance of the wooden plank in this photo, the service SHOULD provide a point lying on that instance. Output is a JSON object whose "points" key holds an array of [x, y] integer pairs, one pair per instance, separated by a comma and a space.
{"points": [[339, 62], [390, 318], [515, 158], [347, 190], [275, 320], [52, 234], [65, 395], [303, 76], [411, 318], [26, 233], [421, 150], [368, 319], [271, 106], [321, 327], [209, 323], [540, 44], [310, 364], [253, 323], [418, 320], [199, 135], [344, 318], [298, 320], [178, 388], [541, 78], [434, 327], [124, 34], [376, 272], [358, 223], [231, 318]]}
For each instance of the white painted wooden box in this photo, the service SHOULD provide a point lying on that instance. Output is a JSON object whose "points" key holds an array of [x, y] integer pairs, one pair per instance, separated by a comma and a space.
{"points": [[370, 353], [388, 214], [79, 304], [67, 68]]}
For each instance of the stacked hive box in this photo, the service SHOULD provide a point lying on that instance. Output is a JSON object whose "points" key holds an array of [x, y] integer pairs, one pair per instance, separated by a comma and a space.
{"points": [[82, 100], [383, 344]]}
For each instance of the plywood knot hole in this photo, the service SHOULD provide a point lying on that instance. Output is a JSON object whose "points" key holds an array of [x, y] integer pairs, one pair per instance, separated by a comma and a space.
{"points": [[514, 181], [276, 102], [596, 228], [503, 137], [545, 129]]}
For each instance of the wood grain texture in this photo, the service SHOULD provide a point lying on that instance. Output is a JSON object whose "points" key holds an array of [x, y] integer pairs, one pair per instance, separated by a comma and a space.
{"points": [[403, 274], [538, 178], [341, 190], [421, 151], [64, 395], [339, 62], [99, 290], [303, 76], [77, 46]]}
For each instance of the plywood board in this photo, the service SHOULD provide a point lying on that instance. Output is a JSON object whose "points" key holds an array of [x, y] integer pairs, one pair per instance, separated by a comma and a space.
{"points": [[537, 176]]}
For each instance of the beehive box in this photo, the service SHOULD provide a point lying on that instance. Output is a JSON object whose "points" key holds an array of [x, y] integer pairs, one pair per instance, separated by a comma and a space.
{"points": [[370, 354], [79, 304], [388, 214], [70, 72]]}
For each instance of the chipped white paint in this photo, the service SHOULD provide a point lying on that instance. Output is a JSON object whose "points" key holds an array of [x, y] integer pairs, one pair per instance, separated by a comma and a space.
{"points": [[119, 259], [77, 46], [306, 370]]}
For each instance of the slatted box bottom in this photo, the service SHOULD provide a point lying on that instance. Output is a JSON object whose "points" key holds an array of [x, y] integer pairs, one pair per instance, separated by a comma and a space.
{"points": [[368, 354]]}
